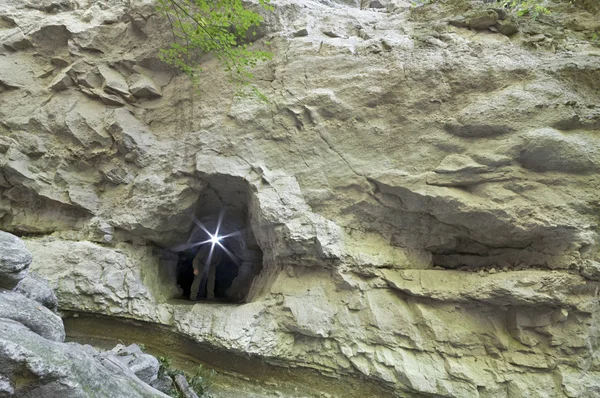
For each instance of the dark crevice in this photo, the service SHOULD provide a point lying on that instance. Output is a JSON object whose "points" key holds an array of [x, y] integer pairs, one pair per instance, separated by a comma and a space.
{"points": [[28, 234]]}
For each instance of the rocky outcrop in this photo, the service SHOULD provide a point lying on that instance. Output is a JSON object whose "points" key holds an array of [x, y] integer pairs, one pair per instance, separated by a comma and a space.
{"points": [[144, 366], [37, 289], [16, 307], [35, 361], [422, 185], [14, 262], [52, 369]]}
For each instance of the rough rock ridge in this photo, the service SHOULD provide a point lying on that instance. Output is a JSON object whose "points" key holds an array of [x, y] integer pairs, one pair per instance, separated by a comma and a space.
{"points": [[423, 184]]}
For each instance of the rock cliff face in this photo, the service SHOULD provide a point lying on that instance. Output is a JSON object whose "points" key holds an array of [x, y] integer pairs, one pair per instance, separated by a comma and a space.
{"points": [[422, 188]]}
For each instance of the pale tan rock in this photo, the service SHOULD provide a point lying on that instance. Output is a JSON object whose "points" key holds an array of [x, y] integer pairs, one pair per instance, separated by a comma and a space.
{"points": [[142, 86], [113, 81], [14, 39], [396, 154], [61, 82], [527, 287]]}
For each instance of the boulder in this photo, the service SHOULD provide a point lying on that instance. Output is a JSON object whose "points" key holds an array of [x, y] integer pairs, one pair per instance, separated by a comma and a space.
{"points": [[14, 39], [390, 142], [14, 260], [113, 81], [142, 86], [507, 27], [163, 383], [591, 270], [143, 365], [37, 289], [31, 314], [547, 149], [481, 19], [33, 366]]}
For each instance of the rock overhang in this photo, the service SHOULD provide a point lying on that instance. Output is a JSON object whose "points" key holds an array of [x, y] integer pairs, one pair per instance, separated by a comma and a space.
{"points": [[405, 143]]}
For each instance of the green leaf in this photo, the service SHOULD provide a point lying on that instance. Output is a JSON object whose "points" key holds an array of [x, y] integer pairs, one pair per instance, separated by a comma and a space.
{"points": [[218, 27]]}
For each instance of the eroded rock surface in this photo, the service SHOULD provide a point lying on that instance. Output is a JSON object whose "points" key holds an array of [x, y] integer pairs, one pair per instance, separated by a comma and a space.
{"points": [[423, 184], [14, 262], [35, 361], [39, 319], [37, 289], [144, 366]]}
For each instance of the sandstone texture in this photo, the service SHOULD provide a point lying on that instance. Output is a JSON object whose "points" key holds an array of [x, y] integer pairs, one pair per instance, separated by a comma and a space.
{"points": [[422, 185]]}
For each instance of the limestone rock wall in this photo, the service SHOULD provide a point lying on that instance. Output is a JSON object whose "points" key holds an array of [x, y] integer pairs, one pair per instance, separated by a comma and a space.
{"points": [[424, 188]]}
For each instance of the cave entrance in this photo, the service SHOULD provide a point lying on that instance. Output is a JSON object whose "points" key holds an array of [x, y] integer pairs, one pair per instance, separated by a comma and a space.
{"points": [[219, 266]]}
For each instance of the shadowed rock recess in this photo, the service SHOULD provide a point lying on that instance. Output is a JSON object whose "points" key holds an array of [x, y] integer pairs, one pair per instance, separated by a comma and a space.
{"points": [[419, 199]]}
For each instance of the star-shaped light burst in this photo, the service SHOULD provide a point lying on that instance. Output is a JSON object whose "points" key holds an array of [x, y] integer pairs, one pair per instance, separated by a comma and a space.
{"points": [[213, 238]]}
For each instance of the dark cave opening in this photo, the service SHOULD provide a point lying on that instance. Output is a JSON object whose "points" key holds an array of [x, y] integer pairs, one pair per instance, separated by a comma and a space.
{"points": [[228, 265], [225, 270], [185, 273]]}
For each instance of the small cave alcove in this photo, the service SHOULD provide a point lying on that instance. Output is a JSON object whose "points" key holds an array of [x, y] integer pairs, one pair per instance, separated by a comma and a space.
{"points": [[226, 270]]}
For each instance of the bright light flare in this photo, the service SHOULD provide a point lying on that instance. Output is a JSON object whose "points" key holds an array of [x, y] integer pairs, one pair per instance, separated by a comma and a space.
{"points": [[214, 239]]}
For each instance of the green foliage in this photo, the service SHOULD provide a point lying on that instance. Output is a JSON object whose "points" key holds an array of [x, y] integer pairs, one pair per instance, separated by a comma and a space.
{"points": [[199, 382], [218, 27], [532, 8], [165, 366], [419, 3]]}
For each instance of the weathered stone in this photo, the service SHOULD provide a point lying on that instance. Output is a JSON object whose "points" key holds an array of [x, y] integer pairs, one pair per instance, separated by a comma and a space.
{"points": [[591, 270], [143, 365], [507, 27], [376, 4], [335, 33], [59, 370], [61, 82], [36, 288], [163, 384], [142, 86], [501, 13], [184, 386], [14, 39], [5, 388], [459, 164], [530, 288], [481, 19], [550, 150], [397, 162], [88, 276], [113, 81], [301, 33], [35, 316], [51, 40], [14, 260]]}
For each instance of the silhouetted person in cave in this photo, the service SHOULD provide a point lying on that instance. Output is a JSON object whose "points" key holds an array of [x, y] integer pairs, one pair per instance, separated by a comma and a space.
{"points": [[227, 270], [185, 273], [213, 274], [205, 270]]}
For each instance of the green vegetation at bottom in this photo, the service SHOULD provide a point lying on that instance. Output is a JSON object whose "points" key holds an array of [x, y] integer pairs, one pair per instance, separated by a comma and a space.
{"points": [[199, 382]]}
